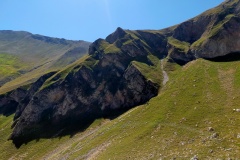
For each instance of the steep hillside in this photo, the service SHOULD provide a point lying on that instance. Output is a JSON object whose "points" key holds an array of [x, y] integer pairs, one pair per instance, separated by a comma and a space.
{"points": [[185, 119], [194, 115], [23, 52], [105, 83]]}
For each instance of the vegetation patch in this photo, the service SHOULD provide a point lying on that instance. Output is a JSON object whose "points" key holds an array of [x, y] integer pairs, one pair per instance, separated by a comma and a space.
{"points": [[86, 61], [174, 124], [10, 65], [181, 45], [213, 32], [217, 28], [153, 73], [112, 48]]}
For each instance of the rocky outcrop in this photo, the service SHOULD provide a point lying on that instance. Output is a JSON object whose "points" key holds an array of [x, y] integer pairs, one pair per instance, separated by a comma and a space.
{"points": [[108, 82], [225, 41], [23, 102], [103, 85], [118, 34], [16, 100], [10, 101], [210, 35]]}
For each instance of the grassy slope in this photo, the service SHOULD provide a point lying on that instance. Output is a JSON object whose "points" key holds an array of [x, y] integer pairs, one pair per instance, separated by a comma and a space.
{"points": [[182, 46], [199, 95], [24, 58], [154, 72], [10, 65], [29, 76]]}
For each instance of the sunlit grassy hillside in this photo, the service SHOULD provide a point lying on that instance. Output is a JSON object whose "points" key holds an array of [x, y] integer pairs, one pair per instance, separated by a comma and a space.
{"points": [[24, 57], [192, 116], [10, 66]]}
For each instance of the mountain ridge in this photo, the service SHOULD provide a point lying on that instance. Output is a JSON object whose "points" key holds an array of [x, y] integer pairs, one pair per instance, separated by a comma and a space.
{"points": [[108, 77], [22, 52], [125, 70]]}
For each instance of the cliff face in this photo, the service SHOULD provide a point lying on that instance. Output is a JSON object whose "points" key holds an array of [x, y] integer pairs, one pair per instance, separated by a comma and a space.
{"points": [[221, 37], [120, 72], [105, 83], [209, 35], [10, 101]]}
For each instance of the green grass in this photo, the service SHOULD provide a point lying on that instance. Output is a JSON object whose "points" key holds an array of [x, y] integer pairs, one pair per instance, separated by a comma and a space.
{"points": [[86, 61], [198, 95], [181, 45], [111, 48], [214, 31], [72, 68], [136, 36], [153, 73], [31, 58], [108, 48], [10, 66], [218, 11]]}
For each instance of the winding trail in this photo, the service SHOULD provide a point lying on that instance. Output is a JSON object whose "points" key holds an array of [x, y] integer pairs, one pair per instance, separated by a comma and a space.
{"points": [[165, 75]]}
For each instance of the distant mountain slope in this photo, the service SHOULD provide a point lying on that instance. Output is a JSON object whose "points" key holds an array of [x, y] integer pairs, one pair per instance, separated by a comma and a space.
{"points": [[192, 115], [23, 52]]}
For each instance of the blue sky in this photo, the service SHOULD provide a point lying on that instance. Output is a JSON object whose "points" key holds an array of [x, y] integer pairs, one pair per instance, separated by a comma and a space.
{"points": [[92, 19]]}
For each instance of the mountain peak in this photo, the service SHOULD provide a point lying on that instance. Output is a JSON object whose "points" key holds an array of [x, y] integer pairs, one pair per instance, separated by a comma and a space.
{"points": [[119, 33]]}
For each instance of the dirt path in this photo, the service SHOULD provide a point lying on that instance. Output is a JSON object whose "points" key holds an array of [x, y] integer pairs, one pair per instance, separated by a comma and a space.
{"points": [[165, 75]]}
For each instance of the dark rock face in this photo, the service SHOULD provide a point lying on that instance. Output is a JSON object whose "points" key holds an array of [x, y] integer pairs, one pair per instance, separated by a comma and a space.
{"points": [[29, 94], [119, 33], [10, 101], [157, 43], [16, 101], [108, 82], [112, 85], [226, 41]]}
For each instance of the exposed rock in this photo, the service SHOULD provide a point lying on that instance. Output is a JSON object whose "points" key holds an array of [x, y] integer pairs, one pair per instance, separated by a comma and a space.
{"points": [[195, 157], [109, 85], [238, 136], [210, 35], [236, 110], [95, 49], [179, 57], [157, 42], [119, 33], [214, 135], [10, 101], [223, 28], [108, 82], [28, 96], [210, 129], [222, 44]]}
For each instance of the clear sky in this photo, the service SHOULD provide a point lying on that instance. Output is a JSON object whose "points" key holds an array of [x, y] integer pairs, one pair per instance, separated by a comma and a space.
{"points": [[92, 19]]}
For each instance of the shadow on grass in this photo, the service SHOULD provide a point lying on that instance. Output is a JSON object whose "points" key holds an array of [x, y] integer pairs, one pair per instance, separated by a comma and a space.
{"points": [[67, 127]]}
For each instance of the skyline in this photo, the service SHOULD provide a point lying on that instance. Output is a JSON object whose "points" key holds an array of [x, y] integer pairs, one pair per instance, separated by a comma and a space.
{"points": [[92, 19]]}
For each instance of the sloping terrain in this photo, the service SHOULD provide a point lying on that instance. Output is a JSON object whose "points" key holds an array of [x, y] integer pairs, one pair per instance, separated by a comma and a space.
{"points": [[84, 111], [99, 85], [24, 57], [185, 119]]}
